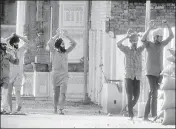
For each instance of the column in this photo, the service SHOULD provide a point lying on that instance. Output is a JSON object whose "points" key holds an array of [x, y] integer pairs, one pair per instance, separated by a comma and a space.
{"points": [[21, 20], [42, 58], [21, 17]]}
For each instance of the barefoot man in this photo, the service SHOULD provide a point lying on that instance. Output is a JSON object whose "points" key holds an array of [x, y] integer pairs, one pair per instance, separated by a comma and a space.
{"points": [[56, 46]]}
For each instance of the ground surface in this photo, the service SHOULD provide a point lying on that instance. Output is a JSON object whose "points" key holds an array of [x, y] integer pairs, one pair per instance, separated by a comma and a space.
{"points": [[40, 115]]}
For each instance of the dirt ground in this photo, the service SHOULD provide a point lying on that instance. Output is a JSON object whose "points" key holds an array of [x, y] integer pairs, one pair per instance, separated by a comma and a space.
{"points": [[77, 115]]}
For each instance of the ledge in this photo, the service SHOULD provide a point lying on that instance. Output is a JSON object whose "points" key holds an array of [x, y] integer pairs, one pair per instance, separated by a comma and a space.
{"points": [[74, 61], [7, 26]]}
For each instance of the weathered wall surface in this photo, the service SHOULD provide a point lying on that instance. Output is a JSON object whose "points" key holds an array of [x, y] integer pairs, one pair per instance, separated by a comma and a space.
{"points": [[33, 25], [163, 11], [9, 12], [8, 17], [126, 15]]}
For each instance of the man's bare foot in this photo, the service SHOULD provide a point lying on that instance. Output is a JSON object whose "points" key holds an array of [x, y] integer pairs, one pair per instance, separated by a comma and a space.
{"points": [[55, 110], [18, 108], [130, 118], [61, 112], [146, 119]]}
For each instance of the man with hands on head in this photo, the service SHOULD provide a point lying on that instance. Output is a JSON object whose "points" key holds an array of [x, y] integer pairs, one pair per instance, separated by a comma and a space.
{"points": [[5, 59], [133, 68], [154, 64], [60, 76], [17, 71]]}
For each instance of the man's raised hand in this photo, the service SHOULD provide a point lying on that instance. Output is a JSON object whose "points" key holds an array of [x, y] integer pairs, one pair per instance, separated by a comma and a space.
{"points": [[129, 32], [65, 33], [164, 21], [151, 24], [58, 31]]}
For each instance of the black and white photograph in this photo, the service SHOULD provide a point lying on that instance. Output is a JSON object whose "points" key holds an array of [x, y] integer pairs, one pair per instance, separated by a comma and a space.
{"points": [[87, 63]]}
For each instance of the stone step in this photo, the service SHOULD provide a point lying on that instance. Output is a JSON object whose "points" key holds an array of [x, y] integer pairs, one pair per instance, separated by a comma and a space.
{"points": [[45, 98]]}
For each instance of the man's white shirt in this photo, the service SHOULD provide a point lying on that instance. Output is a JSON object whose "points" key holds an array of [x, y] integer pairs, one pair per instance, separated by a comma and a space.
{"points": [[17, 71]]}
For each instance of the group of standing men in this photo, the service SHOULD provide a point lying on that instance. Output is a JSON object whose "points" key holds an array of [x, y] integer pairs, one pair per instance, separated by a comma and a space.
{"points": [[12, 72], [13, 76], [154, 66]]}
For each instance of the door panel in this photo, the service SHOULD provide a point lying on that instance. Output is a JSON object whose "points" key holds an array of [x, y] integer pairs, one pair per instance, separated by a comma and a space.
{"points": [[73, 18]]}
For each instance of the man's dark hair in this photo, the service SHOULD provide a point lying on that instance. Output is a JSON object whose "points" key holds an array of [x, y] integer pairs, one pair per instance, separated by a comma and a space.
{"points": [[2, 48], [58, 45], [14, 39], [58, 42]]}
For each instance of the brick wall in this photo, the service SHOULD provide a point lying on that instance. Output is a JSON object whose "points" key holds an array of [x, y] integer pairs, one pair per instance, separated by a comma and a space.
{"points": [[163, 11], [126, 15]]}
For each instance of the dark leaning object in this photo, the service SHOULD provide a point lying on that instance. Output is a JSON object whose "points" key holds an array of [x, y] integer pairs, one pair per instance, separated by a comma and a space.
{"points": [[119, 86], [12, 113]]}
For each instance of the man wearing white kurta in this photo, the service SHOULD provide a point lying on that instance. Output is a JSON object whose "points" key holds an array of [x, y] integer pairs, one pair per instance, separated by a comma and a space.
{"points": [[17, 71]]}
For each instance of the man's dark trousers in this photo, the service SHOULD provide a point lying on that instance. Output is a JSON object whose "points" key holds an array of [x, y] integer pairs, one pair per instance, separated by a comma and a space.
{"points": [[133, 92], [152, 96]]}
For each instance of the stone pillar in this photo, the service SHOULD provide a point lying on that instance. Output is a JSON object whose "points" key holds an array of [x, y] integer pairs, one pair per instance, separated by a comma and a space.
{"points": [[55, 16], [21, 17], [43, 32], [42, 58]]}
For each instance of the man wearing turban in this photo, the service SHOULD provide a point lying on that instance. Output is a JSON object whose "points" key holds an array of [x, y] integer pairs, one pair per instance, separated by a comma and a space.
{"points": [[5, 59], [154, 64]]}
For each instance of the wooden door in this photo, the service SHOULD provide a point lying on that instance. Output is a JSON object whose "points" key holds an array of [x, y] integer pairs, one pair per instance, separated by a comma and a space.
{"points": [[73, 18]]}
